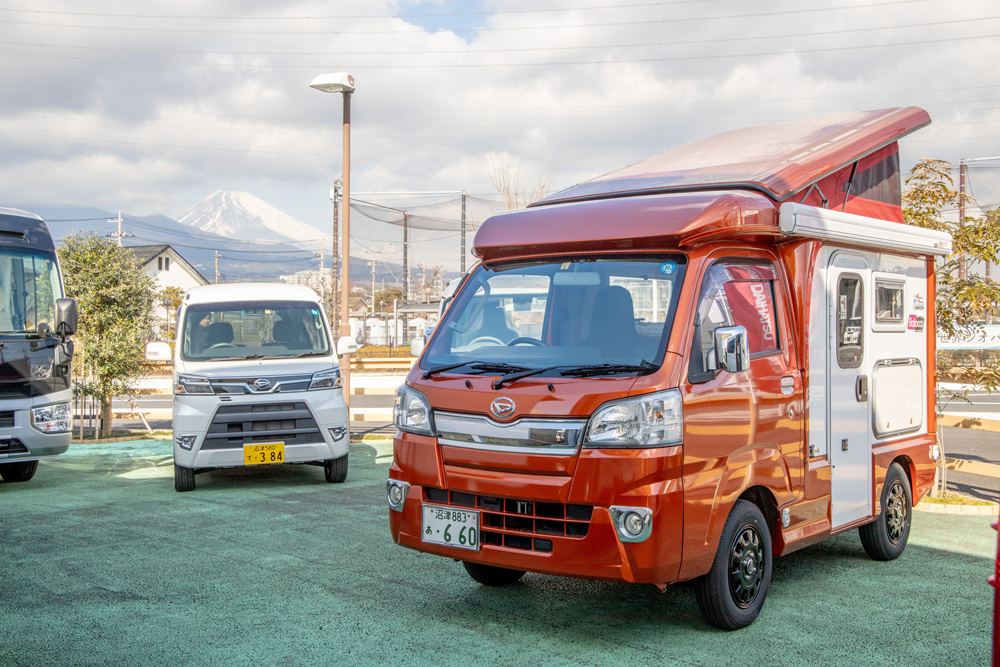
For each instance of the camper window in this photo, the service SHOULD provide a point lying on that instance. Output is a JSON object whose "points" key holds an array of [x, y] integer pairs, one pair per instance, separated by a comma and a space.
{"points": [[889, 299], [850, 321]]}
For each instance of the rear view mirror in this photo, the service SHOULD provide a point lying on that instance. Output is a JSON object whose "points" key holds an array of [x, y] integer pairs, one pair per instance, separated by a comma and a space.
{"points": [[576, 279], [66, 317], [346, 345], [158, 352], [416, 347], [732, 351]]}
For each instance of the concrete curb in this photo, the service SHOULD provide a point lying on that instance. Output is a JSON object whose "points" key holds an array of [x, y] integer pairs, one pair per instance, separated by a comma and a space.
{"points": [[976, 423], [124, 438], [965, 510], [973, 467]]}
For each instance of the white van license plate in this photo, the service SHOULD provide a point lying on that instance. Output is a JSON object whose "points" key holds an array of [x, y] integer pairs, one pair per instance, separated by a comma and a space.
{"points": [[263, 452], [450, 527]]}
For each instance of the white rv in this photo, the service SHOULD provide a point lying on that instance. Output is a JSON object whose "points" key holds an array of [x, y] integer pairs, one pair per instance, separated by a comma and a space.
{"points": [[256, 381]]}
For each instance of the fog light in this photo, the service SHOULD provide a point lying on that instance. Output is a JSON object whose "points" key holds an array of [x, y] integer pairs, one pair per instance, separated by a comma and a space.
{"points": [[338, 433], [185, 441], [395, 492], [633, 524]]}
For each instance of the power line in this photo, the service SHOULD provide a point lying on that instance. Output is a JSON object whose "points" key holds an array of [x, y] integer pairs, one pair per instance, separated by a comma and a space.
{"points": [[517, 50], [867, 5]]}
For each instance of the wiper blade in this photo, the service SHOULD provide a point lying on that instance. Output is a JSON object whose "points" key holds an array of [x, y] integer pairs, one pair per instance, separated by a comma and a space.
{"points": [[607, 369], [499, 367], [248, 356], [499, 382], [309, 354], [442, 369]]}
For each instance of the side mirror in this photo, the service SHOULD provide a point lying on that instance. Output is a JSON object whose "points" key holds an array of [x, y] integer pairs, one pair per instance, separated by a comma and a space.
{"points": [[66, 317], [416, 347], [732, 351], [346, 345], [158, 352]]}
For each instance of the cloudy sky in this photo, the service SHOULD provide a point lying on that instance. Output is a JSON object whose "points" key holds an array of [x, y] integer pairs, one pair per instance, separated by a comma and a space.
{"points": [[152, 106]]}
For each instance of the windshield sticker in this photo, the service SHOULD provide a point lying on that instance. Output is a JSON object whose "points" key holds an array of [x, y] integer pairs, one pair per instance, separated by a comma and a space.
{"points": [[667, 268], [314, 311]]}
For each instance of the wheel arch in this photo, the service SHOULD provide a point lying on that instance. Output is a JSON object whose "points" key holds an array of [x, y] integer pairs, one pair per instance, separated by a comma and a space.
{"points": [[764, 499]]}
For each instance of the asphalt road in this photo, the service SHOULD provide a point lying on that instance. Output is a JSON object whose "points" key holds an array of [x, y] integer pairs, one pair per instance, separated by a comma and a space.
{"points": [[102, 562]]}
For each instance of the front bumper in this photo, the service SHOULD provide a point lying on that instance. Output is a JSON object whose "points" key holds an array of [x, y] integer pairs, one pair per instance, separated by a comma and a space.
{"points": [[196, 414], [21, 442], [536, 541]]}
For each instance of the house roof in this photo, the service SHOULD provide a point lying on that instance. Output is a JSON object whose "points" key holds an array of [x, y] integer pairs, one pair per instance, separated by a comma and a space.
{"points": [[777, 160], [147, 253]]}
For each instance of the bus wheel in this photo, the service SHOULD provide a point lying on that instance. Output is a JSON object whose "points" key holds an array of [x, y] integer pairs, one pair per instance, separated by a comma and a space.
{"points": [[732, 593], [21, 471], [488, 575], [183, 478], [886, 536]]}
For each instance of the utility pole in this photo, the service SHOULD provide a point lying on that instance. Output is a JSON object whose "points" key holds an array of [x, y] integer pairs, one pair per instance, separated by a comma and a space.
{"points": [[464, 195], [217, 258], [119, 234], [371, 263], [335, 263], [406, 263], [962, 268]]}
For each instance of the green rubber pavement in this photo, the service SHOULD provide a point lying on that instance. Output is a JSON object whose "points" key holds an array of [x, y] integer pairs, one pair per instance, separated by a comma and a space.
{"points": [[102, 562]]}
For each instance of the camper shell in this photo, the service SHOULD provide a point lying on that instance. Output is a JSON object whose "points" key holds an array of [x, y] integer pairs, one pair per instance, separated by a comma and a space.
{"points": [[729, 356]]}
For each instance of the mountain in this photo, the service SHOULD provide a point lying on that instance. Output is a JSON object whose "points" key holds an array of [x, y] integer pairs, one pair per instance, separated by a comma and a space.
{"points": [[240, 215]]}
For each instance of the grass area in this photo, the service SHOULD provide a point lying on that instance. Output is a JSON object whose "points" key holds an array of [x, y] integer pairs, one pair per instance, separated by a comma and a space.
{"points": [[382, 351], [955, 499]]}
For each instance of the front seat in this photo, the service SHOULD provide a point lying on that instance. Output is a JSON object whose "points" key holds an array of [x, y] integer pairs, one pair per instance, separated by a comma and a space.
{"points": [[219, 332], [494, 324], [612, 325]]}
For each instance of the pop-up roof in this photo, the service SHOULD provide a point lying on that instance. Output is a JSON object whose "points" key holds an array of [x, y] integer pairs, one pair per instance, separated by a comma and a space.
{"points": [[825, 161]]}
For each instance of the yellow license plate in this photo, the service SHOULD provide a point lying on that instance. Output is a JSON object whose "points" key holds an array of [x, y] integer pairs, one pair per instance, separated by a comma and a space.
{"points": [[263, 452]]}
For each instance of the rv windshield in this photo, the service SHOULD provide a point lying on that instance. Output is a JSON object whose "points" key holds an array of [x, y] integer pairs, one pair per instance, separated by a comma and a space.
{"points": [[575, 315], [29, 287], [253, 330]]}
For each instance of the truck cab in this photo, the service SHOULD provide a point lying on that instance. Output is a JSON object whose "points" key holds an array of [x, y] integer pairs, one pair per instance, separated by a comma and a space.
{"points": [[683, 369], [36, 322], [256, 382]]}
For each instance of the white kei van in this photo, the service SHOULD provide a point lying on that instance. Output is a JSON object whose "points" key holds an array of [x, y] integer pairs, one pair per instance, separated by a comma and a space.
{"points": [[256, 381]]}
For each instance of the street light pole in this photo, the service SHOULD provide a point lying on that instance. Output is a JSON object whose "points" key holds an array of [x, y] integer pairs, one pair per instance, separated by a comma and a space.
{"points": [[342, 82]]}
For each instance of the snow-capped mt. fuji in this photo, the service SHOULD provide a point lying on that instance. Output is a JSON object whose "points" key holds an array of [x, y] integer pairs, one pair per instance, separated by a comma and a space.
{"points": [[240, 215]]}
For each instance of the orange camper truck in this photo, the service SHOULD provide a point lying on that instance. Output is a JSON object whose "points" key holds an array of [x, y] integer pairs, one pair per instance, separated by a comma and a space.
{"points": [[682, 369]]}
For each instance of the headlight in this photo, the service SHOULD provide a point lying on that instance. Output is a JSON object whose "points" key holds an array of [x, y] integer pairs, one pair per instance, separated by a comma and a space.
{"points": [[193, 384], [651, 420], [51, 418], [327, 379], [411, 412]]}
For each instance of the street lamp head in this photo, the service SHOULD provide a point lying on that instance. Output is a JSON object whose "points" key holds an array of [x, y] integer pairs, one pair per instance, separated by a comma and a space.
{"points": [[338, 82]]}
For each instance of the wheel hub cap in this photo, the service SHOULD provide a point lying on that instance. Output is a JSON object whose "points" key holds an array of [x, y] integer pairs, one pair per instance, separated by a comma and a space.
{"points": [[746, 566], [895, 511]]}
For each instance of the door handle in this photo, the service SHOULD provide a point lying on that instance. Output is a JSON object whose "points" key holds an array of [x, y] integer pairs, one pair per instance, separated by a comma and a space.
{"points": [[861, 388], [787, 385]]}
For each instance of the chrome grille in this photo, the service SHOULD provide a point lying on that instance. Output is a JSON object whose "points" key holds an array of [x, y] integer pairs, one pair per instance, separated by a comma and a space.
{"points": [[275, 384], [538, 436]]}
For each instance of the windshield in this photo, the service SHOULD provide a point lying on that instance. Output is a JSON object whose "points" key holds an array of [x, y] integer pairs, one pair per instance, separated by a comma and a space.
{"points": [[29, 287], [571, 313], [253, 329]]}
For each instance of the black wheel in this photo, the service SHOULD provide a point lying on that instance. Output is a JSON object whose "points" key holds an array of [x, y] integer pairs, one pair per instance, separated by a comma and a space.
{"points": [[21, 471], [732, 593], [183, 478], [886, 536], [488, 575], [336, 469]]}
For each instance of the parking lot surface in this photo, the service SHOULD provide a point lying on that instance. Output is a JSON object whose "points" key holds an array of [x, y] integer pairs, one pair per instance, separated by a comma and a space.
{"points": [[102, 562]]}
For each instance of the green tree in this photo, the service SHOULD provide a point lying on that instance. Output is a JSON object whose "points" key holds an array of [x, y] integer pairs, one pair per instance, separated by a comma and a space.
{"points": [[384, 299], [171, 298], [963, 298], [115, 299]]}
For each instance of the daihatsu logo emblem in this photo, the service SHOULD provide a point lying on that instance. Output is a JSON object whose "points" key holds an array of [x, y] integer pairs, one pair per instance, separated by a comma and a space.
{"points": [[261, 385], [502, 407]]}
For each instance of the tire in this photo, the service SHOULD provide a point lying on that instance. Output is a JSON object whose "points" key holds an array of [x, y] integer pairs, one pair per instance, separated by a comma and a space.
{"points": [[183, 479], [488, 575], [21, 471], [885, 538], [336, 469], [733, 592]]}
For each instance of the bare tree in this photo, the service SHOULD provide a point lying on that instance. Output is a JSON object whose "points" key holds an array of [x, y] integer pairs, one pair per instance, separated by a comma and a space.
{"points": [[427, 283], [507, 179]]}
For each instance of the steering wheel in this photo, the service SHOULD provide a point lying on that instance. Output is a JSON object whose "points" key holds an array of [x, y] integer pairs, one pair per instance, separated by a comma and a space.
{"points": [[212, 347], [486, 339], [525, 340]]}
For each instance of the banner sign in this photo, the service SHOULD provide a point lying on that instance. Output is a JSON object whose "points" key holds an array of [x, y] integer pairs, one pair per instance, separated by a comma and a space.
{"points": [[973, 338]]}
